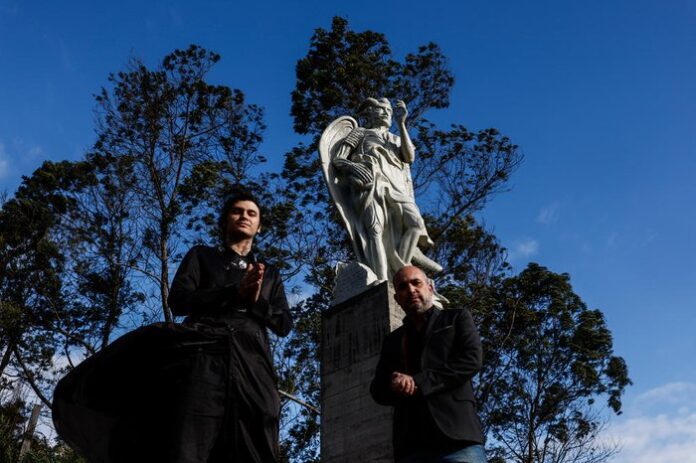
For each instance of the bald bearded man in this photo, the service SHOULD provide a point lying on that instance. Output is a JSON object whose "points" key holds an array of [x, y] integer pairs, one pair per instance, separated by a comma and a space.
{"points": [[424, 372]]}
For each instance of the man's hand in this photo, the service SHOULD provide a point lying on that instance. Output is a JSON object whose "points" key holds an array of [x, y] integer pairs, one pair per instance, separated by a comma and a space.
{"points": [[250, 286], [401, 112], [403, 384]]}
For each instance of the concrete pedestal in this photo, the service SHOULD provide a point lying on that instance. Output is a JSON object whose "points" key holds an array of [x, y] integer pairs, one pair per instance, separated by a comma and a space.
{"points": [[353, 428]]}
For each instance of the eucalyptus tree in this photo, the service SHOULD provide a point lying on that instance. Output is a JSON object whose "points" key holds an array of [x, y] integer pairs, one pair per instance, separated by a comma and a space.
{"points": [[178, 134], [456, 171], [550, 362], [31, 266]]}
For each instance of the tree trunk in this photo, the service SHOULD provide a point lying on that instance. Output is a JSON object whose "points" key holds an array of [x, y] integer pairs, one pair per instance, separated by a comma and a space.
{"points": [[164, 276], [6, 357], [29, 376], [530, 439], [113, 311], [29, 433]]}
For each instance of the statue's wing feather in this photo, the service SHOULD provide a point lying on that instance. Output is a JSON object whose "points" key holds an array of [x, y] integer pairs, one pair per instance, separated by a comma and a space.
{"points": [[339, 190]]}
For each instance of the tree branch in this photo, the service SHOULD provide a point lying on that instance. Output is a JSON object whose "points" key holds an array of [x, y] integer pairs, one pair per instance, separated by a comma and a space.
{"points": [[29, 376]]}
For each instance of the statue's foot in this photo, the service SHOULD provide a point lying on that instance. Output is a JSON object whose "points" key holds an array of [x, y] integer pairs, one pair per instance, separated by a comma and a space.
{"points": [[424, 262]]}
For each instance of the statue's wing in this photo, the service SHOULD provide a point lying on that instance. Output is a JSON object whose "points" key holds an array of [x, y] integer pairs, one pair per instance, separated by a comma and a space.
{"points": [[339, 190]]}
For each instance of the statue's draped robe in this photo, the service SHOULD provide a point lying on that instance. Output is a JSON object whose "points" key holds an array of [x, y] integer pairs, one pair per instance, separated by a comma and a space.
{"points": [[388, 205]]}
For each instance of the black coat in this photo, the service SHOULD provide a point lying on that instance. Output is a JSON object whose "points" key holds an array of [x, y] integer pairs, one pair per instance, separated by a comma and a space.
{"points": [[120, 400], [451, 357], [206, 287]]}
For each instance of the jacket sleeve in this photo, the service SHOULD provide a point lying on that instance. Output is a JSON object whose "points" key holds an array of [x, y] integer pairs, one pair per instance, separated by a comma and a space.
{"points": [[463, 361], [380, 388], [273, 309], [186, 294]]}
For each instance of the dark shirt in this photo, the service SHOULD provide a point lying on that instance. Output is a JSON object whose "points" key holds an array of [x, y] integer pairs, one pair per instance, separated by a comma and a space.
{"points": [[422, 433]]}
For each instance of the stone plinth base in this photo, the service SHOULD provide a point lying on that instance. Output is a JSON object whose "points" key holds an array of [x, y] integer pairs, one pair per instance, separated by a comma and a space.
{"points": [[353, 428]]}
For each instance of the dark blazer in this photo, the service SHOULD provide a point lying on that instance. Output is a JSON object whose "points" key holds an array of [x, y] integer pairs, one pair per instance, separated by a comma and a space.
{"points": [[451, 357]]}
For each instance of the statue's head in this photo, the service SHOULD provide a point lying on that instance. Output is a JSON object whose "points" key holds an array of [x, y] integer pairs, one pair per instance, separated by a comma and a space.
{"points": [[377, 113]]}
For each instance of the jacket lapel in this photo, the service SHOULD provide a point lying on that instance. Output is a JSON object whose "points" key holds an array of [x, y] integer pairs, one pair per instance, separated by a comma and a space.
{"points": [[432, 321]]}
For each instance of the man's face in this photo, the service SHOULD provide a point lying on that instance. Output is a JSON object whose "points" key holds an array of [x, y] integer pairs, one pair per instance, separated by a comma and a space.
{"points": [[243, 220], [379, 116], [413, 291]]}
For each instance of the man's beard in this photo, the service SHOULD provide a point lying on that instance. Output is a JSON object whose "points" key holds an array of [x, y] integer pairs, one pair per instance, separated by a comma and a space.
{"points": [[421, 307]]}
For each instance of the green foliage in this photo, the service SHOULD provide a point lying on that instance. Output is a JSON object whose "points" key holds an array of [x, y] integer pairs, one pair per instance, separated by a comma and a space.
{"points": [[471, 256], [30, 284], [344, 67], [12, 424], [100, 240], [78, 237], [299, 377], [185, 142], [547, 357]]}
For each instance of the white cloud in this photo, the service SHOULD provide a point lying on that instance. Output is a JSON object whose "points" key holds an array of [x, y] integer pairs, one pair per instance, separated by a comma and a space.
{"points": [[19, 156], [658, 426], [528, 247], [549, 214], [674, 393], [524, 248], [658, 439]]}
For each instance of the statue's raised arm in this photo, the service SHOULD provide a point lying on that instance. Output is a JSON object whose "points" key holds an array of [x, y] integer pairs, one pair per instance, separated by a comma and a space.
{"points": [[367, 170], [408, 152]]}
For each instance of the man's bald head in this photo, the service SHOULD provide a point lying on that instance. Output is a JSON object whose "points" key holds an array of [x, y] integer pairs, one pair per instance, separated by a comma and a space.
{"points": [[413, 290], [410, 269]]}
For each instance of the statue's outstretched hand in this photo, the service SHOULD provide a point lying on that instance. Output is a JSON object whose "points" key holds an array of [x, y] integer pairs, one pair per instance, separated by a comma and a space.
{"points": [[401, 112]]}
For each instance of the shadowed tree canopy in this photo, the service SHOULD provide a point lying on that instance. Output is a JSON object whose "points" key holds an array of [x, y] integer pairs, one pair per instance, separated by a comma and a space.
{"points": [[185, 142], [547, 359], [455, 172], [32, 299], [344, 67]]}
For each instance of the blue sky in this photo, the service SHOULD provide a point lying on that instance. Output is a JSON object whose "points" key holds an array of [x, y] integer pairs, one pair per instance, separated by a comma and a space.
{"points": [[600, 96]]}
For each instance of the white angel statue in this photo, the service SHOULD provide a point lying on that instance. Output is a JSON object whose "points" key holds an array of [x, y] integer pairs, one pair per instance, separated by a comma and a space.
{"points": [[368, 173]]}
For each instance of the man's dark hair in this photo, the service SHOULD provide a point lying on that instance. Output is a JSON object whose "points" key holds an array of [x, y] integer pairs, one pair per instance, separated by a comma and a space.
{"points": [[237, 195]]}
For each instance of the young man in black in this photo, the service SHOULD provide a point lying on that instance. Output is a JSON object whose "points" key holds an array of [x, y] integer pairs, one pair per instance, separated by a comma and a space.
{"points": [[200, 391], [226, 404]]}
